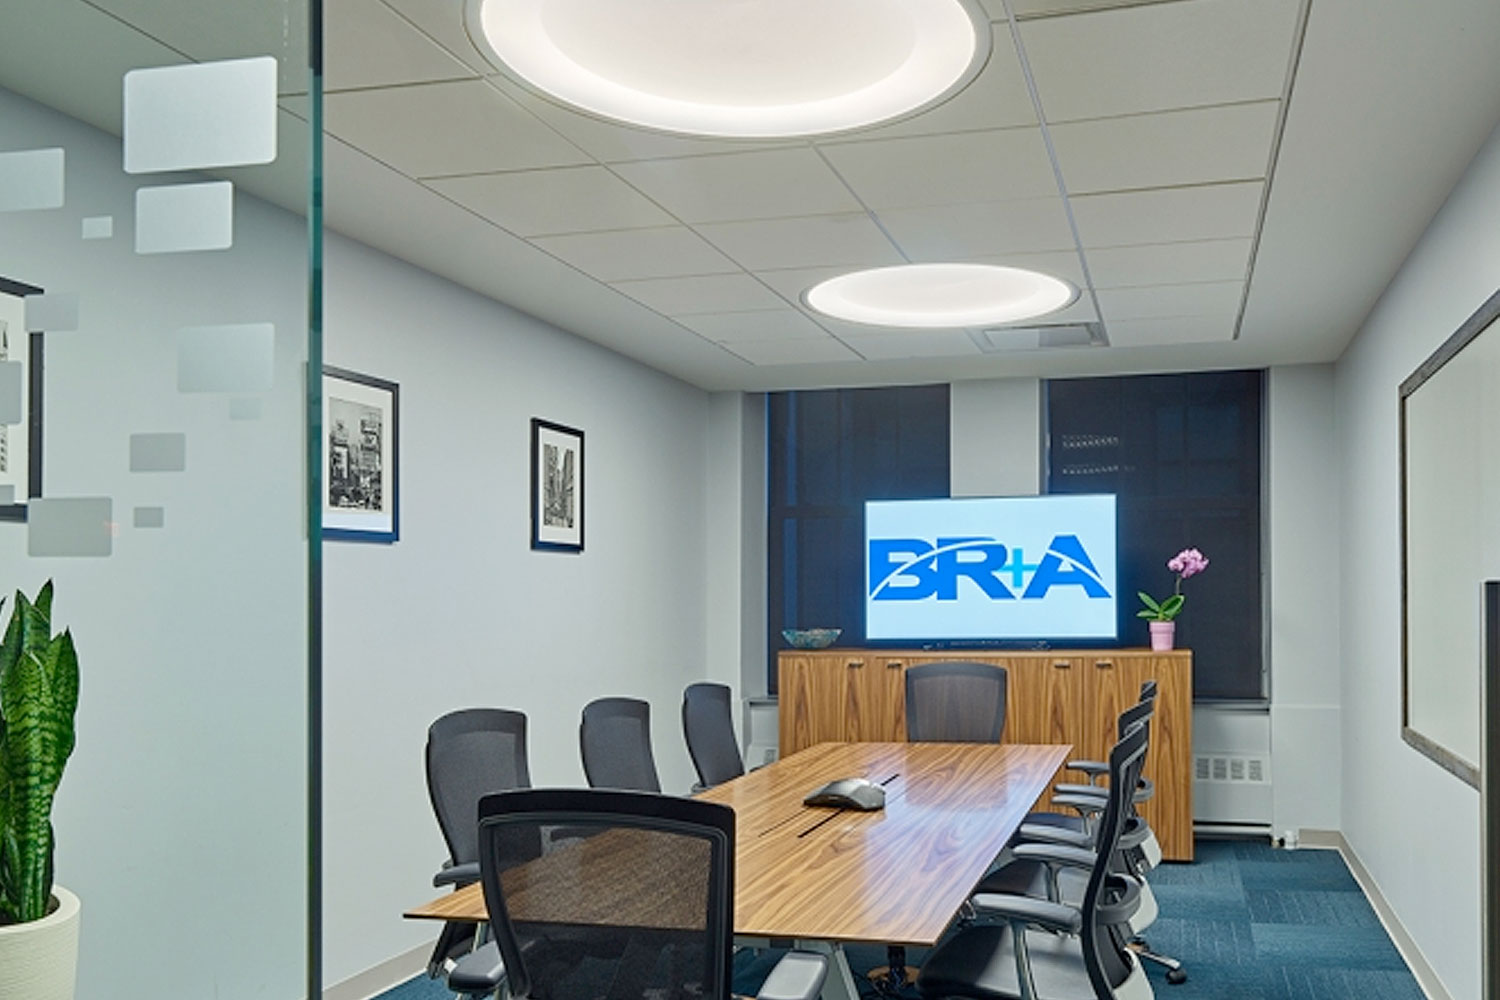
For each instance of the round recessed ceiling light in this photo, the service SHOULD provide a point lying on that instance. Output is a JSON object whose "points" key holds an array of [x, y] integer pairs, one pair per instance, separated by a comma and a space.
{"points": [[738, 68], [940, 295]]}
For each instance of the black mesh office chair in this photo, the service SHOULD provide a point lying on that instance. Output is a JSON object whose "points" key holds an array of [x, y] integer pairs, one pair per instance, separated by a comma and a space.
{"points": [[639, 906], [708, 728], [614, 738], [1044, 950], [955, 702], [470, 753]]}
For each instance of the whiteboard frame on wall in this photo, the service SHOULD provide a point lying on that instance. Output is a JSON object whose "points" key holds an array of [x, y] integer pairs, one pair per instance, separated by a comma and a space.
{"points": [[1426, 612]]}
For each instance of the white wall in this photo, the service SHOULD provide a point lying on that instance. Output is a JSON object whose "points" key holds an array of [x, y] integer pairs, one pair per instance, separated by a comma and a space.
{"points": [[1415, 826], [995, 434], [1303, 562], [180, 819], [460, 612]]}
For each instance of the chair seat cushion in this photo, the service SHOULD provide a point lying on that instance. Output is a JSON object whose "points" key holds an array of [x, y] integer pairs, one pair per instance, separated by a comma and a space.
{"points": [[980, 962], [481, 971], [1029, 878]]}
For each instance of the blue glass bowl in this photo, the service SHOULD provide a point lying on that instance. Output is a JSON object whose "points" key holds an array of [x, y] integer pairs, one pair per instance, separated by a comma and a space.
{"points": [[811, 638]]}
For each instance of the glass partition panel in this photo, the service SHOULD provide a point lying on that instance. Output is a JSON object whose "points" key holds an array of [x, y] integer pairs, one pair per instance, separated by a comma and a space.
{"points": [[155, 280]]}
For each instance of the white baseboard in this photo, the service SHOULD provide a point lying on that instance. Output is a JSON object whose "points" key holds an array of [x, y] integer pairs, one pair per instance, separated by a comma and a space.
{"points": [[1426, 977], [375, 981]]}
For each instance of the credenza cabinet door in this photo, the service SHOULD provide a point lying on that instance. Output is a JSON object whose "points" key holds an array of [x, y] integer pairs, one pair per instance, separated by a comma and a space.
{"points": [[874, 699], [1043, 699], [811, 702]]}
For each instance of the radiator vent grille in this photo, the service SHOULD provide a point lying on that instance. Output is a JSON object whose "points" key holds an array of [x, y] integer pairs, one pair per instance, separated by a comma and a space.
{"points": [[1234, 769]]}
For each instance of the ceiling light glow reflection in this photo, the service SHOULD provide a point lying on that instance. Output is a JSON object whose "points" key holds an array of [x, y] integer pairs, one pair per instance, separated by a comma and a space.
{"points": [[940, 295], [738, 68]]}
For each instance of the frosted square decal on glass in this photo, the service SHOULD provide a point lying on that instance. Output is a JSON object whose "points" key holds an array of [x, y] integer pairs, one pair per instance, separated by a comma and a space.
{"points": [[7, 495], [69, 526], [31, 179], [99, 227], [52, 312], [217, 114], [12, 374], [245, 408], [236, 357], [158, 452], [178, 218], [150, 517]]}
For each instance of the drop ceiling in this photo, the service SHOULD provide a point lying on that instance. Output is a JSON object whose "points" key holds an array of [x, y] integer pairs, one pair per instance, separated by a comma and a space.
{"points": [[1229, 182]]}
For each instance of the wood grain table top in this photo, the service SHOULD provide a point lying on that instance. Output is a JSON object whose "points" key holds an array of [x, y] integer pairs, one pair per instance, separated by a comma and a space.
{"points": [[895, 876]]}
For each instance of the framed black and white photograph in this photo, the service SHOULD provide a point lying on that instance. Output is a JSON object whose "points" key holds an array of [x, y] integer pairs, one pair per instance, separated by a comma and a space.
{"points": [[361, 456], [20, 403], [556, 486]]}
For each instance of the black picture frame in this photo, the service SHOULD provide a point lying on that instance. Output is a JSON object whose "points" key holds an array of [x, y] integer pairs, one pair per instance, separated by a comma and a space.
{"points": [[557, 497], [30, 428], [361, 478]]}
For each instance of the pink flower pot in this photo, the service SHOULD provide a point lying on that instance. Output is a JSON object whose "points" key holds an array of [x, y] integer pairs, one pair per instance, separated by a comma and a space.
{"points": [[1162, 634]]}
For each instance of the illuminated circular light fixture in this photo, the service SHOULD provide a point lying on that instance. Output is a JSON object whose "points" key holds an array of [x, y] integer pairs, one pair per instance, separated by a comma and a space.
{"points": [[738, 68], [940, 295]]}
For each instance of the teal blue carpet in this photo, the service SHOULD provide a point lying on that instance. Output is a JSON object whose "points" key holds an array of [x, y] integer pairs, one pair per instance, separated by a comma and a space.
{"points": [[1249, 923]]}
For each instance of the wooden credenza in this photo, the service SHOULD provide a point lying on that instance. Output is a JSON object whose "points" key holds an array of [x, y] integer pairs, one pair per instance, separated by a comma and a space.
{"points": [[1057, 696]]}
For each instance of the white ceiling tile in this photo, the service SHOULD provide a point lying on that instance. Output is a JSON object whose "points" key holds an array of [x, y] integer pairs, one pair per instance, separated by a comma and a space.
{"points": [[814, 241], [1047, 8], [791, 282], [1159, 56], [765, 324], [444, 23], [766, 184], [1080, 311], [615, 142], [705, 293], [996, 98], [1168, 148], [1063, 264], [637, 253], [564, 200], [875, 344], [945, 169], [1208, 298], [366, 44], [1170, 331], [1170, 263], [791, 352], [959, 232], [446, 128], [1170, 215]]}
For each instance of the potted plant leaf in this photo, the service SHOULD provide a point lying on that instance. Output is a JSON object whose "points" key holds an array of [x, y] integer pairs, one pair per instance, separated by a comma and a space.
{"points": [[38, 698]]}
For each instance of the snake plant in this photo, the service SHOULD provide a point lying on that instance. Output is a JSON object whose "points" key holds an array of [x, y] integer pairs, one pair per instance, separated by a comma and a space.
{"points": [[38, 696]]}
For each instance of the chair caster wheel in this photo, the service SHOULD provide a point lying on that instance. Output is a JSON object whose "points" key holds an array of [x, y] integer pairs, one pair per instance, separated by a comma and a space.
{"points": [[1176, 976]]}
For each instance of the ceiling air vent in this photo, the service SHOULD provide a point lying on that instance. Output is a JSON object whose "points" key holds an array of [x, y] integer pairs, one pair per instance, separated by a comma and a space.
{"points": [[1040, 337]]}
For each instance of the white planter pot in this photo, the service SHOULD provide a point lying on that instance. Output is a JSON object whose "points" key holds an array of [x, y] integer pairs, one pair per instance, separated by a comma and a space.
{"points": [[39, 960]]}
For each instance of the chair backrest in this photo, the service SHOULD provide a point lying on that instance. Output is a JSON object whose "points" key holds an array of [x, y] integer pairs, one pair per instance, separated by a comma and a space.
{"points": [[1106, 954], [637, 904], [614, 739], [471, 753], [708, 728], [955, 702]]}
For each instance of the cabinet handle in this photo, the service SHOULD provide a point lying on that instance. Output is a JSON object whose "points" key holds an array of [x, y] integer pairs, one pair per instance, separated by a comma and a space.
{"points": [[893, 664], [1104, 664], [1062, 664], [856, 663]]}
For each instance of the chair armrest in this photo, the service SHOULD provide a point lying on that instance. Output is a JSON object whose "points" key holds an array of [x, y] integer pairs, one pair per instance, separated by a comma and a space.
{"points": [[1086, 804], [798, 976], [1093, 768], [457, 874], [1144, 790], [1056, 854], [1053, 916], [1045, 834], [479, 972]]}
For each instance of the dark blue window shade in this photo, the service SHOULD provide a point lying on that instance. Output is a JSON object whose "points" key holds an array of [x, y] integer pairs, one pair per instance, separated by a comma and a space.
{"points": [[828, 451], [1183, 455]]}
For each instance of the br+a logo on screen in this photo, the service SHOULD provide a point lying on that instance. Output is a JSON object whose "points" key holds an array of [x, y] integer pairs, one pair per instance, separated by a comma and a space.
{"points": [[913, 569]]}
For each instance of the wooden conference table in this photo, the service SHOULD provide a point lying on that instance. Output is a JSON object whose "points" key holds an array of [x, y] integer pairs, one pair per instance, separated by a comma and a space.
{"points": [[823, 877]]}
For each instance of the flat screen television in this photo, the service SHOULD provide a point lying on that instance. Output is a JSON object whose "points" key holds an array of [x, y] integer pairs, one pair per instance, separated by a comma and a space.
{"points": [[995, 569]]}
